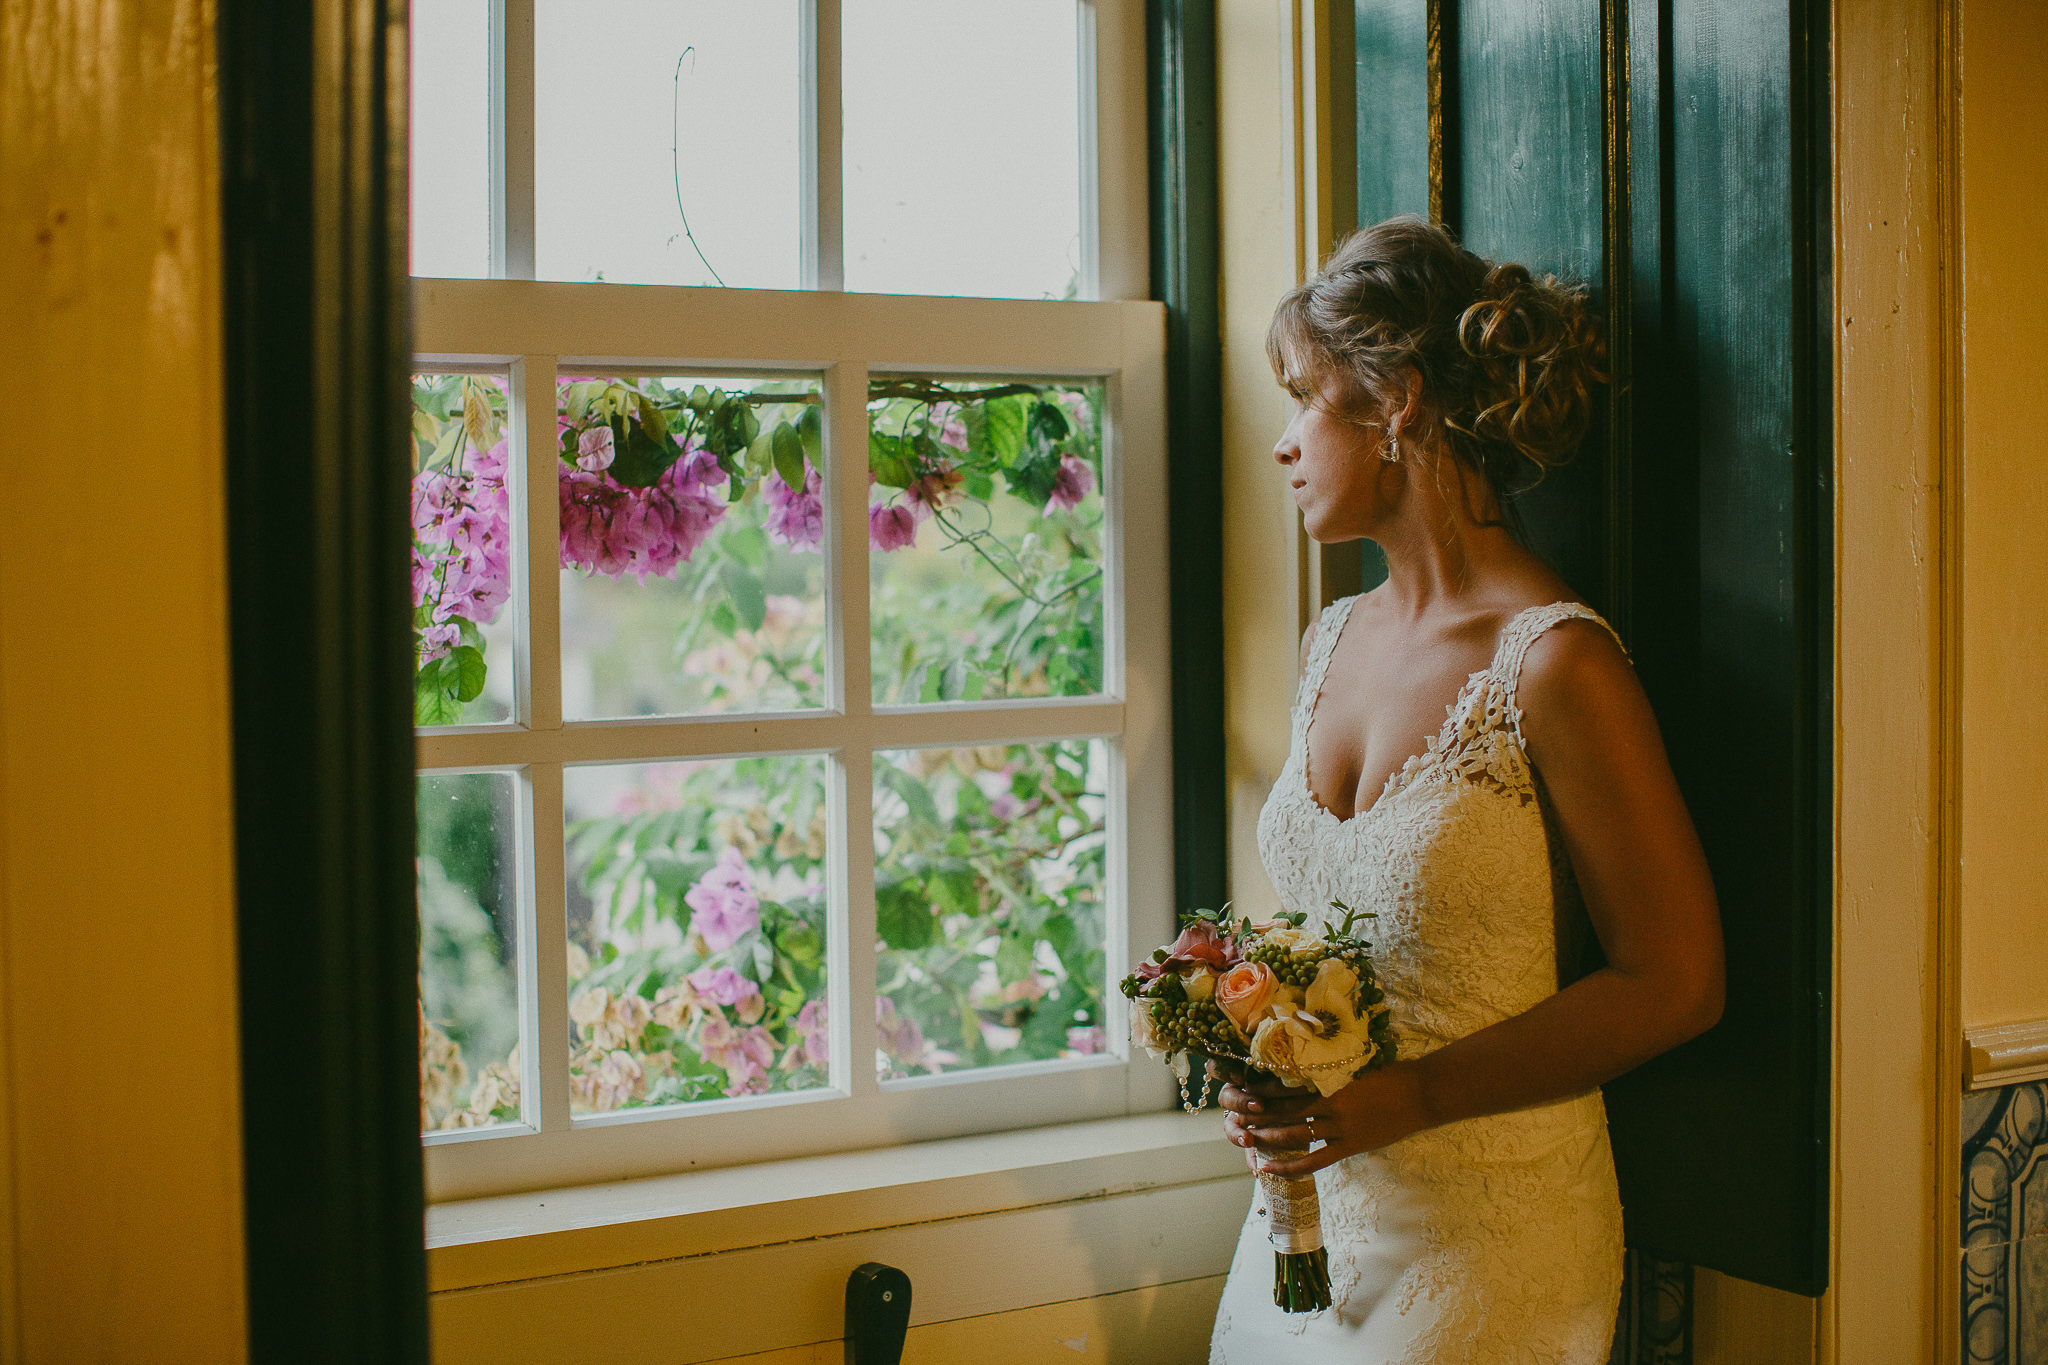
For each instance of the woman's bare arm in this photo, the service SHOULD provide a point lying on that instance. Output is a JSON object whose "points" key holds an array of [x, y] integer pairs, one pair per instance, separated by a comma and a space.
{"points": [[1591, 734]]}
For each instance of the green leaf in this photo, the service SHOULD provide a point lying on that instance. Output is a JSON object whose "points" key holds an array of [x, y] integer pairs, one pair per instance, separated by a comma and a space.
{"points": [[722, 618], [914, 793], [760, 456], [639, 460], [903, 917], [652, 418], [933, 684], [747, 544], [1013, 959], [743, 589], [431, 704], [889, 464], [1005, 418], [810, 430], [789, 456], [463, 673]]}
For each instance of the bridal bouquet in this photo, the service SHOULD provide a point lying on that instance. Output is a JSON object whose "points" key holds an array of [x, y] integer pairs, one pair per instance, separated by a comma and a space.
{"points": [[1286, 1004]]}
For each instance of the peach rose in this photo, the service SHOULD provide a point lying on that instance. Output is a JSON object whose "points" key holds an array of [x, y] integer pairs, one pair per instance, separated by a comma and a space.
{"points": [[1243, 993]]}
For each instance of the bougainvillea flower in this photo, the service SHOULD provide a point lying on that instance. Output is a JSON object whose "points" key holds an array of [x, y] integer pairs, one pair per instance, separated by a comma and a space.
{"points": [[796, 519], [611, 530], [722, 984], [892, 528], [723, 902], [1074, 482], [594, 450], [937, 488]]}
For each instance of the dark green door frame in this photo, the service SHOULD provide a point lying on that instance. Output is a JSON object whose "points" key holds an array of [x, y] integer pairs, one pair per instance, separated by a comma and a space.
{"points": [[317, 344]]}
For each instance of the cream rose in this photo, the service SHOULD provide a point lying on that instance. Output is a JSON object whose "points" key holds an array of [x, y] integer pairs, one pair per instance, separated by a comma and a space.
{"points": [[1141, 1029], [1200, 984], [1243, 993]]}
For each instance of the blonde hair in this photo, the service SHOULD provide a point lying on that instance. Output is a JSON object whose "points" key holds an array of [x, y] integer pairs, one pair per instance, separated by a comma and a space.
{"points": [[1507, 361]]}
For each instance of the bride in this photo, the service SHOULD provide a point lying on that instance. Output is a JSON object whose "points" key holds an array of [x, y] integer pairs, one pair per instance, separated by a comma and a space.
{"points": [[1472, 759]]}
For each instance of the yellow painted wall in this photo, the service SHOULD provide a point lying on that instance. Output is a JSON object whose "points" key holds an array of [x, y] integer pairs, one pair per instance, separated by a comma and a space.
{"points": [[2004, 807], [1257, 160], [120, 1171]]}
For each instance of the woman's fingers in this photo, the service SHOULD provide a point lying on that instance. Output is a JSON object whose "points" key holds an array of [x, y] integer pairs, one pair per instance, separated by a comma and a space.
{"points": [[1295, 1168]]}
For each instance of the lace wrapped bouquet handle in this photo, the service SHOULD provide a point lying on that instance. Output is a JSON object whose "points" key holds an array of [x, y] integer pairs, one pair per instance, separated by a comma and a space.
{"points": [[1286, 1004]]}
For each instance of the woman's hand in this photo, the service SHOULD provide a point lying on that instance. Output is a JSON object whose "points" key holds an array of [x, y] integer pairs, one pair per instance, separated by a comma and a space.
{"points": [[1378, 1108]]}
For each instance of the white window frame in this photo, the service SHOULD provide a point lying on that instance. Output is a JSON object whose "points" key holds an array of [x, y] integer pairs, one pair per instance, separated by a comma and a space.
{"points": [[531, 331]]}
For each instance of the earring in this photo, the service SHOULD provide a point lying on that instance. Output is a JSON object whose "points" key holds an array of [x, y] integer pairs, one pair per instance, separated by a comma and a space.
{"points": [[1390, 449]]}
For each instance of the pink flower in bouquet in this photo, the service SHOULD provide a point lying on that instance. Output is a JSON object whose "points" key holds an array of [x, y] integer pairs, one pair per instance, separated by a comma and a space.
{"points": [[1074, 482], [891, 527], [796, 518], [1244, 992], [595, 450], [723, 902], [1200, 944]]}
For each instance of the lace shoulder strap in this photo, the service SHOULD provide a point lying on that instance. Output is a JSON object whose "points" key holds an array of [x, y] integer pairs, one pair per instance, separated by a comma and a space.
{"points": [[1515, 639], [1329, 627]]}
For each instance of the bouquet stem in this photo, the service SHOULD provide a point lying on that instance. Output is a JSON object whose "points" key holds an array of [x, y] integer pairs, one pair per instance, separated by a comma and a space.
{"points": [[1301, 1281], [1294, 1224]]}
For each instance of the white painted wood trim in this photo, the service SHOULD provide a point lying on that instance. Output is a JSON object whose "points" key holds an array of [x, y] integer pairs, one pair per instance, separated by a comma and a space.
{"points": [[2006, 1054], [606, 1273]]}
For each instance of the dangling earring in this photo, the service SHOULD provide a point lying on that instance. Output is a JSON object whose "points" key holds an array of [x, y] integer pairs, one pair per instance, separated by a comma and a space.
{"points": [[1390, 449]]}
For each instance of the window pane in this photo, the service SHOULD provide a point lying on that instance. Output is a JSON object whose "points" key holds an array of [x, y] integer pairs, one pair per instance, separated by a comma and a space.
{"points": [[469, 957], [985, 533], [692, 576], [696, 930], [989, 905], [451, 138], [463, 643], [962, 147], [665, 142]]}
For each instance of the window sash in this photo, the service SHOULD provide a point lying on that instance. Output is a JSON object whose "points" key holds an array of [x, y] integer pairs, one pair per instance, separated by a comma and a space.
{"points": [[527, 328], [1111, 118]]}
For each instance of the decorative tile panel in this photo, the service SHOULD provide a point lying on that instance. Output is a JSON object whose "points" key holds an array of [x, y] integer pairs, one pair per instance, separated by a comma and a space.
{"points": [[1655, 1327], [2004, 1250]]}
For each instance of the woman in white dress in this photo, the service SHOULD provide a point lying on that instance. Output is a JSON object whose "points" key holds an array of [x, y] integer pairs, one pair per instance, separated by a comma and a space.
{"points": [[1473, 760]]}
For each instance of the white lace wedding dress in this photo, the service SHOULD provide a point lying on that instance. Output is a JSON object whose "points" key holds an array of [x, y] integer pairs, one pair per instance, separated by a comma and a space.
{"points": [[1487, 1241]]}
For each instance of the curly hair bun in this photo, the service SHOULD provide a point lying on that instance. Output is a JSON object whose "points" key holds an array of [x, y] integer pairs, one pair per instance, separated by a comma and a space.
{"points": [[1508, 362], [1539, 356]]}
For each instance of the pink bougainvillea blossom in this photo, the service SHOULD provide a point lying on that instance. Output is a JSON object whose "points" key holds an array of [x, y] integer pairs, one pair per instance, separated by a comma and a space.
{"points": [[1087, 1042], [815, 1045], [744, 1057], [728, 988], [612, 530], [724, 902], [937, 488], [595, 450], [796, 519], [892, 527], [462, 542], [900, 1044], [1074, 482]]}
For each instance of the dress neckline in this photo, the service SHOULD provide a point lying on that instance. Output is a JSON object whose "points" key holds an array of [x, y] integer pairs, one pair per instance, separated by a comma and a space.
{"points": [[1336, 617]]}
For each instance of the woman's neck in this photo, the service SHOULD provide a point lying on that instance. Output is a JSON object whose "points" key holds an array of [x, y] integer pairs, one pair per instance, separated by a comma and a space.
{"points": [[1446, 539]]}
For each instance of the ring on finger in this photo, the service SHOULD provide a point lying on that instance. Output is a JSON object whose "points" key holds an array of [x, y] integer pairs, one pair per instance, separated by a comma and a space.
{"points": [[1312, 1128]]}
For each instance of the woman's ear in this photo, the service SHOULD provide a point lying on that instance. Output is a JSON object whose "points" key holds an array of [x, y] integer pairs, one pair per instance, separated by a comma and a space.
{"points": [[1411, 410]]}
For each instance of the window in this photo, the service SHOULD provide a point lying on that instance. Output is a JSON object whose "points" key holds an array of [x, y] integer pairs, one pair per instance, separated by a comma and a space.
{"points": [[792, 662]]}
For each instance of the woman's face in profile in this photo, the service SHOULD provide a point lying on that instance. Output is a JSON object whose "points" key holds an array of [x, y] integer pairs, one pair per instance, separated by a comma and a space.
{"points": [[1334, 469]]}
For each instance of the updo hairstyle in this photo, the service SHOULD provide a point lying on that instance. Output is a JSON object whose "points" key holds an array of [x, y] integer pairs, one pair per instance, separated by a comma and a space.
{"points": [[1508, 361]]}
